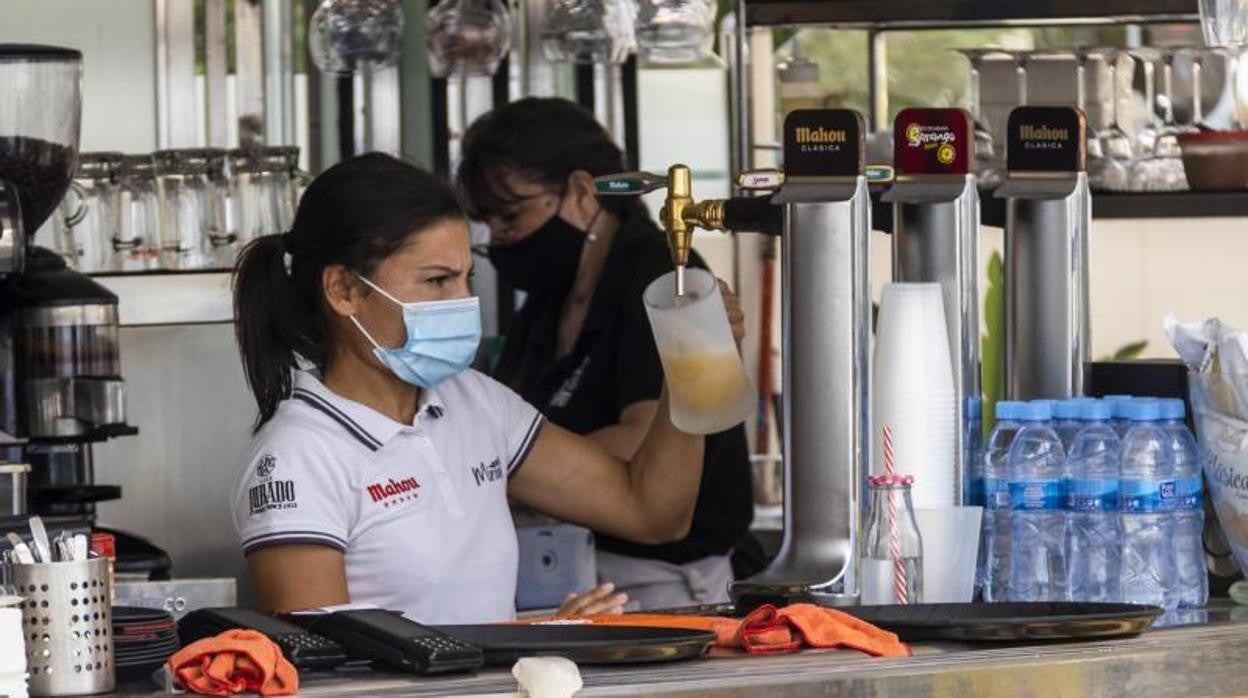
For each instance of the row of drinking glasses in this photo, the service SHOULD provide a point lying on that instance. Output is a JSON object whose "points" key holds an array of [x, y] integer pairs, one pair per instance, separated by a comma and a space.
{"points": [[1147, 160], [175, 209]]}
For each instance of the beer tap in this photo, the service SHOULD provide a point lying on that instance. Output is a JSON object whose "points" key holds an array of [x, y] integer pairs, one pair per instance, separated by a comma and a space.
{"points": [[822, 206], [681, 215]]}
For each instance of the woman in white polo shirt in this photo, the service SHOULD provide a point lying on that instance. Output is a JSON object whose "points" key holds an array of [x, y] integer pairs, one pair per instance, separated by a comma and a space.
{"points": [[382, 473]]}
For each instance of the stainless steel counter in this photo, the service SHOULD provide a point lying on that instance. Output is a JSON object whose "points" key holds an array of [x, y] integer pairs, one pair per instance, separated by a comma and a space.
{"points": [[1204, 659]]}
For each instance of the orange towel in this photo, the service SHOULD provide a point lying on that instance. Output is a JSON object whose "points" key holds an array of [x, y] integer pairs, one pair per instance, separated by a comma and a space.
{"points": [[236, 661], [771, 630]]}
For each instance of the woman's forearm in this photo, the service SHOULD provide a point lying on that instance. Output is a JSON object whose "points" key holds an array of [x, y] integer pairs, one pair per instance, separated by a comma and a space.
{"points": [[665, 474], [624, 438]]}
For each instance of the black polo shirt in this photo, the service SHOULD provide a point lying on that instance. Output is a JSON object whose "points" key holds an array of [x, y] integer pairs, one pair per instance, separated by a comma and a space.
{"points": [[613, 364]]}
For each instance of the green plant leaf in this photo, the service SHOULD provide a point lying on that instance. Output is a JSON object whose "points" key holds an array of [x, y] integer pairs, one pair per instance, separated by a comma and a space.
{"points": [[1128, 352], [992, 346]]}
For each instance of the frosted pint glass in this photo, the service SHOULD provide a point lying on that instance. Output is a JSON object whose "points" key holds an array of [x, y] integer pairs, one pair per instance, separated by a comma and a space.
{"points": [[706, 381]]}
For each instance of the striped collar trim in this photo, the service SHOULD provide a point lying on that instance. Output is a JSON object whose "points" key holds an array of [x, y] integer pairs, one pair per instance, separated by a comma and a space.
{"points": [[318, 403], [366, 425]]}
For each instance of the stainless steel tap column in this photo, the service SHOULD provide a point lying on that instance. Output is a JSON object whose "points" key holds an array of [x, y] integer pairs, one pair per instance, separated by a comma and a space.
{"points": [[826, 361], [936, 240], [1048, 216]]}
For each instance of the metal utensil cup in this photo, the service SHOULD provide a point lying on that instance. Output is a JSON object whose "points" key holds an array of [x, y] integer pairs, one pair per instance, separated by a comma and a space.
{"points": [[67, 623]]}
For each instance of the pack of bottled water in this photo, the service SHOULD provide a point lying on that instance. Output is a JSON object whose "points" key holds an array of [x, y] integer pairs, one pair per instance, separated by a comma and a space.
{"points": [[1092, 500]]}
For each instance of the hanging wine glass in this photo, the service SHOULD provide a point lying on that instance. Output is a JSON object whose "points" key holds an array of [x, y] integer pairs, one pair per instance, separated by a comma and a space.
{"points": [[1162, 170], [1146, 134], [1197, 57], [1224, 24], [469, 37], [590, 31], [346, 34], [1110, 172], [1083, 55], [675, 31]]}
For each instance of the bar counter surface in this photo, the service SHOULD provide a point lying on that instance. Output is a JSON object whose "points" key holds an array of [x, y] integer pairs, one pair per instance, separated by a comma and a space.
{"points": [[1203, 653]]}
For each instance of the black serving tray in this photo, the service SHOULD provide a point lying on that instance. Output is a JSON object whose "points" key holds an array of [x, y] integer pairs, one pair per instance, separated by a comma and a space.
{"points": [[583, 644], [1009, 622]]}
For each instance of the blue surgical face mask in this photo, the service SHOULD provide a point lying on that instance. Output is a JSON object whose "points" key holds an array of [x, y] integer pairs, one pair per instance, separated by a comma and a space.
{"points": [[442, 339]]}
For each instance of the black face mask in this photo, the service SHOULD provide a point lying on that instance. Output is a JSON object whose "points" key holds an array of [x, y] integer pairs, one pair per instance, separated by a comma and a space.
{"points": [[545, 261]]}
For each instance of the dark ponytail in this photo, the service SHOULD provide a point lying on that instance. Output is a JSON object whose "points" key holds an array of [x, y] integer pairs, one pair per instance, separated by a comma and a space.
{"points": [[355, 214], [542, 139]]}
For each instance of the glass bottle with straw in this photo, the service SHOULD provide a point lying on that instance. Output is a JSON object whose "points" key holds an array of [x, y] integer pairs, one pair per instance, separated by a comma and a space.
{"points": [[892, 551]]}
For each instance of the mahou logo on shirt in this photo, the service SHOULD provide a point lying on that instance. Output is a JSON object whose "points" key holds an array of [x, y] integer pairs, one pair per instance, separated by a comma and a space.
{"points": [[393, 491]]}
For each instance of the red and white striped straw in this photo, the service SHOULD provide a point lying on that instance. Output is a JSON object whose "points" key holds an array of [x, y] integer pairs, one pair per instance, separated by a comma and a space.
{"points": [[894, 536]]}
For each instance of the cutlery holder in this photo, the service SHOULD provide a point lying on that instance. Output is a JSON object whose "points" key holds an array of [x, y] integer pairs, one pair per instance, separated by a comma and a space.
{"points": [[66, 624]]}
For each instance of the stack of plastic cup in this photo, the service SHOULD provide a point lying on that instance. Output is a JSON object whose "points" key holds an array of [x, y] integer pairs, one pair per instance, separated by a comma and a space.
{"points": [[913, 393]]}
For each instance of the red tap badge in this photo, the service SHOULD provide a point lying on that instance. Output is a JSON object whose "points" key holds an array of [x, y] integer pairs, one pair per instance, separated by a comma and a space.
{"points": [[932, 141]]}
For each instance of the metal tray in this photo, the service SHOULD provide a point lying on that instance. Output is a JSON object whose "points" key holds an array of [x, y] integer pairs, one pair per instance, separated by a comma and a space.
{"points": [[1009, 622], [583, 644]]}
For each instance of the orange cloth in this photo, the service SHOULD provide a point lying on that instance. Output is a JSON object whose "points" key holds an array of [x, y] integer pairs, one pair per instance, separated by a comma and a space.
{"points": [[770, 630], [236, 661]]}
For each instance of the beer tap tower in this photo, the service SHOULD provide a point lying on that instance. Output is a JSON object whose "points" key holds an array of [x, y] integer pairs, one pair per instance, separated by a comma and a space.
{"points": [[826, 214]]}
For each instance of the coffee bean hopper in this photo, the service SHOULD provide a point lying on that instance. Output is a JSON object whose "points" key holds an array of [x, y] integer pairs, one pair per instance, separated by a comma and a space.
{"points": [[60, 374]]}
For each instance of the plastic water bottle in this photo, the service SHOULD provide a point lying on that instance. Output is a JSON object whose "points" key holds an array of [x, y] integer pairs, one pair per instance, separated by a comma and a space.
{"points": [[1119, 420], [1189, 512], [995, 541], [1145, 496], [1066, 421], [1094, 530], [1038, 532], [972, 454]]}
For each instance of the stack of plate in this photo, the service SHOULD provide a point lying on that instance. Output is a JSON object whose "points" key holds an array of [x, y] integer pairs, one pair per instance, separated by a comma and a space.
{"points": [[143, 639]]}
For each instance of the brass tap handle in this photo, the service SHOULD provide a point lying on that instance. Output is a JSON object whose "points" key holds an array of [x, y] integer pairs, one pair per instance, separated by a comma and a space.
{"points": [[680, 215]]}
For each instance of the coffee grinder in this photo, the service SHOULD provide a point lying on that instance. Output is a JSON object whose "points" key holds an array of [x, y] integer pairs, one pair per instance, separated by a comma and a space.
{"points": [[60, 372]]}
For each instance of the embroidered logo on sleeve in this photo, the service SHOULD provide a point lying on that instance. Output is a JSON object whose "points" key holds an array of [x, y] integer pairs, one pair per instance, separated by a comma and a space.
{"points": [[488, 472], [265, 466], [393, 492], [270, 494]]}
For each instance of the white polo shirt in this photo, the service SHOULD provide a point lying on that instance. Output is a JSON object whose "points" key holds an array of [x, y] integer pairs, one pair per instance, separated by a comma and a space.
{"points": [[419, 511]]}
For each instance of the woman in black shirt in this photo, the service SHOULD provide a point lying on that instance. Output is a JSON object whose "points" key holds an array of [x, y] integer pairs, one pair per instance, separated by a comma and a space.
{"points": [[581, 349]]}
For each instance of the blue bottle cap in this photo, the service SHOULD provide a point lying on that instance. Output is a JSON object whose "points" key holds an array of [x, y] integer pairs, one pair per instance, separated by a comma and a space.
{"points": [[1118, 404], [1173, 408], [1095, 411], [1037, 411], [1008, 409], [1143, 410], [1067, 409]]}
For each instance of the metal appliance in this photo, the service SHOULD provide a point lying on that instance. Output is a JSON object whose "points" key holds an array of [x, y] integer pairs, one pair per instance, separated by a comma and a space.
{"points": [[1048, 216], [60, 383], [936, 239], [826, 327]]}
